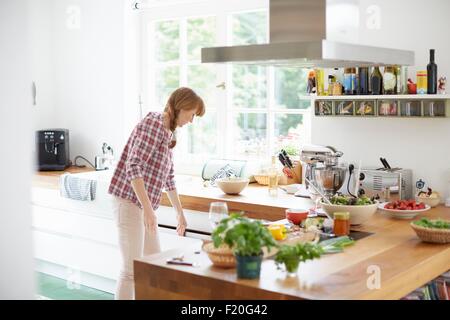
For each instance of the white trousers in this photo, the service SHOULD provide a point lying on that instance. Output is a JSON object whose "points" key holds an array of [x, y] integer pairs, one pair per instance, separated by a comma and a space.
{"points": [[134, 242]]}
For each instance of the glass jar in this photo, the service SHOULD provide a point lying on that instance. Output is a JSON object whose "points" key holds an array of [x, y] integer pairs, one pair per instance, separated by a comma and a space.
{"points": [[389, 80], [349, 81], [341, 225]]}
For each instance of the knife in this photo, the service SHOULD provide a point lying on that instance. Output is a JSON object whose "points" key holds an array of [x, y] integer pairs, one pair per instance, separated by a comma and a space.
{"points": [[286, 169]]}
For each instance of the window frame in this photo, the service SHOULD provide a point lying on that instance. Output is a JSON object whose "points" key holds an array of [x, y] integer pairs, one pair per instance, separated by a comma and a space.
{"points": [[222, 10]]}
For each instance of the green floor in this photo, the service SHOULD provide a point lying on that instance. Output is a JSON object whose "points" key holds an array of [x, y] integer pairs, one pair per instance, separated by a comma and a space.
{"points": [[58, 289]]}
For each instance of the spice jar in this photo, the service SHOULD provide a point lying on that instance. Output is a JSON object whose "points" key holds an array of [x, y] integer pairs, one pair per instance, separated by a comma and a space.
{"points": [[341, 223]]}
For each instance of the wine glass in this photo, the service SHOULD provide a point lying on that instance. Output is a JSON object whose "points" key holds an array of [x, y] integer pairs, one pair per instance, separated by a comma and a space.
{"points": [[217, 212]]}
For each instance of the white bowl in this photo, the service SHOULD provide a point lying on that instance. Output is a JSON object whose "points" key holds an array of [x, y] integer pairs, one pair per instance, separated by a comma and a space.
{"points": [[402, 214], [358, 214], [232, 185]]}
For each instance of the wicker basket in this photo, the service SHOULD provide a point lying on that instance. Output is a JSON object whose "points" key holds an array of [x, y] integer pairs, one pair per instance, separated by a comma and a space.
{"points": [[432, 235], [264, 179], [221, 257]]}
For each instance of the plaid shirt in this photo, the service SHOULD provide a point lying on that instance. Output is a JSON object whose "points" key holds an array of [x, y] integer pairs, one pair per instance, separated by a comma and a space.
{"points": [[147, 155]]}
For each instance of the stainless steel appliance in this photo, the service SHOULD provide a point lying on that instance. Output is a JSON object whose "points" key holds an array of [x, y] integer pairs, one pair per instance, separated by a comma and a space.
{"points": [[106, 160], [322, 167], [52, 147], [298, 36], [379, 181]]}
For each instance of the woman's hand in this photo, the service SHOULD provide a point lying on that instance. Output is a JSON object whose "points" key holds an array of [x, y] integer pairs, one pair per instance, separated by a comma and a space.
{"points": [[150, 220], [182, 224]]}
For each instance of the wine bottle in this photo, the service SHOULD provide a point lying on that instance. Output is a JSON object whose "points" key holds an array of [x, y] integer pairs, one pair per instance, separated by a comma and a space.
{"points": [[363, 87], [431, 74], [376, 81]]}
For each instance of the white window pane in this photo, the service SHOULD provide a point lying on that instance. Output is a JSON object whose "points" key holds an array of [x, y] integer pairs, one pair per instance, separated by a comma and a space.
{"points": [[167, 44], [199, 138], [201, 32], [250, 131], [289, 84], [249, 27], [289, 130], [167, 80], [249, 86], [202, 79]]}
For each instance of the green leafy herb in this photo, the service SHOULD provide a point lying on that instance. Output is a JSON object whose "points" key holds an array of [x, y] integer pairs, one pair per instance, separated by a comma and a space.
{"points": [[292, 255], [435, 224], [246, 237]]}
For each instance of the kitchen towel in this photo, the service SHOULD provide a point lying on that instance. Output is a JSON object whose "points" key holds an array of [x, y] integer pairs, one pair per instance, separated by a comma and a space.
{"points": [[77, 188]]}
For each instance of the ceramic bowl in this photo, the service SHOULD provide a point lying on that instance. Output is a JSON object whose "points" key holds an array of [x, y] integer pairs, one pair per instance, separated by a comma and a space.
{"points": [[296, 216], [232, 185], [358, 214]]}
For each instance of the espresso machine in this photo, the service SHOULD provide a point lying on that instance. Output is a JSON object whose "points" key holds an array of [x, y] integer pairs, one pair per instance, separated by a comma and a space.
{"points": [[52, 147], [322, 168]]}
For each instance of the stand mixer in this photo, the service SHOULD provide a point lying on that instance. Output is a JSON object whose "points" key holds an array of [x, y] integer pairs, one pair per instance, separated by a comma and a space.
{"points": [[322, 168]]}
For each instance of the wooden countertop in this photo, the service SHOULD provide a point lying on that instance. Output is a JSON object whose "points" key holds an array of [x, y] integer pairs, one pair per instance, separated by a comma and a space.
{"points": [[254, 200], [404, 263], [50, 179]]}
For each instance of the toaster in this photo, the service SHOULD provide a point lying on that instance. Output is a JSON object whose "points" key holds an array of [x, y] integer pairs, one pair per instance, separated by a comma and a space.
{"points": [[374, 182]]}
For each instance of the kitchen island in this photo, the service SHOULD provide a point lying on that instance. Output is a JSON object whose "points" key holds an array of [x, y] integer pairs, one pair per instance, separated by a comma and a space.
{"points": [[388, 264]]}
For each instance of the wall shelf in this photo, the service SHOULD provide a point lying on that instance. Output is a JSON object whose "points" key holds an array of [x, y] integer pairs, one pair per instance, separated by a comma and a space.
{"points": [[404, 106]]}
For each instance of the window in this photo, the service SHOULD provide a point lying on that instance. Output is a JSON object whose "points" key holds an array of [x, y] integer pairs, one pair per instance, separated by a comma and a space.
{"points": [[251, 111]]}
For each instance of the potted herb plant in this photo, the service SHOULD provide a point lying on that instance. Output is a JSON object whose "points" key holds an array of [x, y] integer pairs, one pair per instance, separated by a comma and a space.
{"points": [[246, 238], [291, 255]]}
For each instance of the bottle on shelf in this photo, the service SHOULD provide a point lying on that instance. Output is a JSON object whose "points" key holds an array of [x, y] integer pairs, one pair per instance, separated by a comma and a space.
{"points": [[398, 77], [273, 178], [320, 82], [331, 82], [431, 74], [376, 81], [389, 80], [363, 87], [349, 81]]}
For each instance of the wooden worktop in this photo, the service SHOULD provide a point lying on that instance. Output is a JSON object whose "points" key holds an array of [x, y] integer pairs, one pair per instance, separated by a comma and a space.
{"points": [[405, 263], [254, 199], [50, 179]]}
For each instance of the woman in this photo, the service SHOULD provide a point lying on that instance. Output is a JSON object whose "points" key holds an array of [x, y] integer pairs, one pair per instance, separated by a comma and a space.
{"points": [[144, 169]]}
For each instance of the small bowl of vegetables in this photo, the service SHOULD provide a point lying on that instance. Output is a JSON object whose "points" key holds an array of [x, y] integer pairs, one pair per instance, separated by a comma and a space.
{"points": [[435, 231], [361, 209]]}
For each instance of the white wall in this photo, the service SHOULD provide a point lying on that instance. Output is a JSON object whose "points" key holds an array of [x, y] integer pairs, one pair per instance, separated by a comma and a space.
{"points": [[43, 112], [422, 145], [89, 73], [16, 269], [85, 66]]}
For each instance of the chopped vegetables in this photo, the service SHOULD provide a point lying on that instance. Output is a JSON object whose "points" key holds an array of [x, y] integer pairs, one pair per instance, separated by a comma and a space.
{"points": [[336, 244], [434, 224]]}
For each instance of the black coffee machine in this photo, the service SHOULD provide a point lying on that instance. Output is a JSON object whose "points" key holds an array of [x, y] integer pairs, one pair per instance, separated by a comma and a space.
{"points": [[52, 146]]}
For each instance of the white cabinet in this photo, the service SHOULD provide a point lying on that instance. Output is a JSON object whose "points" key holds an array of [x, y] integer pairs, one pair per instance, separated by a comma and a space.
{"points": [[81, 236]]}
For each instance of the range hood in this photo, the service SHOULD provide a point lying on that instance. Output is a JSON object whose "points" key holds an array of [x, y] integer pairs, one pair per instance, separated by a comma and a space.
{"points": [[298, 30]]}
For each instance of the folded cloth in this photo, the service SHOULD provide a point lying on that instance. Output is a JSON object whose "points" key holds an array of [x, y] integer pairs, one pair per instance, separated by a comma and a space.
{"points": [[77, 188]]}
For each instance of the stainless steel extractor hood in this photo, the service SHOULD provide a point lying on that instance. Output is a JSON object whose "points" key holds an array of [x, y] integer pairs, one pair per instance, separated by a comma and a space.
{"points": [[298, 30]]}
